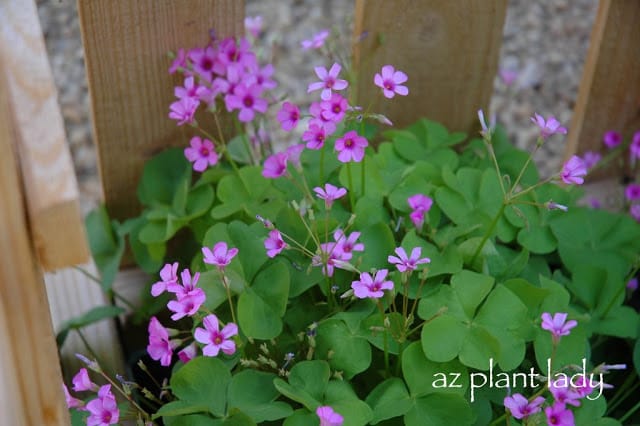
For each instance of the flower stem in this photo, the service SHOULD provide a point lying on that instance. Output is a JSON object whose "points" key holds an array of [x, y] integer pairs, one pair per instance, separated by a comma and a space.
{"points": [[351, 189], [363, 181], [322, 165], [489, 232], [385, 340], [526, 164], [227, 286]]}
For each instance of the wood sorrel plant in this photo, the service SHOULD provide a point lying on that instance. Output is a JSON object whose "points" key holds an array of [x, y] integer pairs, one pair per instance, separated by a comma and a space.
{"points": [[337, 282]]}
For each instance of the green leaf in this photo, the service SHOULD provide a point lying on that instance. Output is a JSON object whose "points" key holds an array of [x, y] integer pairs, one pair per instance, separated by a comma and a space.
{"points": [[199, 201], [237, 148], [340, 396], [443, 337], [308, 381], [203, 381], [448, 261], [379, 244], [389, 399], [94, 315], [259, 405], [249, 241], [471, 288], [439, 409], [349, 352], [537, 239], [179, 408], [301, 418], [107, 247], [191, 420], [374, 184], [162, 177], [370, 211], [621, 321], [424, 376]]}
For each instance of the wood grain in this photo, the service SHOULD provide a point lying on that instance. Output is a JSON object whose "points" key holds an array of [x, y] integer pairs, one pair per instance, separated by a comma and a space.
{"points": [[126, 44], [30, 379], [448, 48], [609, 93], [46, 166]]}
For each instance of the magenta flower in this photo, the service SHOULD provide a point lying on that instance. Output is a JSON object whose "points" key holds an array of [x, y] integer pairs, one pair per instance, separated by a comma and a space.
{"points": [[315, 109], [564, 394], [558, 415], [293, 154], [329, 81], [390, 81], [189, 90], [632, 284], [326, 258], [247, 100], [329, 194], [168, 276], [591, 158], [288, 116], [189, 297], [611, 139], [183, 110], [188, 353], [253, 24], [315, 136], [214, 338], [346, 245], [328, 417], [634, 211], [558, 324], [573, 171], [371, 287], [160, 348], [104, 410], [351, 147], [316, 42], [404, 263], [520, 407], [274, 243], [420, 204], [632, 192], [548, 127], [583, 386], [82, 382], [275, 166], [201, 153], [204, 61], [634, 148], [180, 61], [221, 256], [334, 109], [71, 401]]}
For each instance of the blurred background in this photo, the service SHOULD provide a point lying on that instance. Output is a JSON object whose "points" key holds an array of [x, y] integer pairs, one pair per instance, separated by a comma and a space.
{"points": [[541, 60]]}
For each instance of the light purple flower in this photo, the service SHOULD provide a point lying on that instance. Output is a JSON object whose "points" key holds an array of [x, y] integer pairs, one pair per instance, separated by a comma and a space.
{"points": [[328, 417], [329, 81], [559, 415], [315, 136], [573, 171], [611, 139], [221, 256], [274, 243], [316, 42], [404, 263], [188, 353], [288, 116], [201, 153], [632, 192], [346, 245], [160, 348], [71, 401], [591, 158], [558, 324], [183, 110], [168, 276], [548, 127], [187, 305], [632, 284], [82, 382], [216, 340], [564, 394], [371, 287], [634, 211], [275, 166], [390, 81], [247, 100], [329, 194], [104, 410], [520, 407], [487, 129], [334, 109], [253, 24], [420, 204], [351, 147], [262, 77]]}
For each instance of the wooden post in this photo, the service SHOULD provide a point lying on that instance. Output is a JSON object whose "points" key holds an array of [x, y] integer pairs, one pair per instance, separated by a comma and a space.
{"points": [[609, 94], [30, 379], [448, 48], [45, 162], [126, 44]]}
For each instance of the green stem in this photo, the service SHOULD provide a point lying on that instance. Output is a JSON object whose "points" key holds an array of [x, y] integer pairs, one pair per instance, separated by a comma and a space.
{"points": [[127, 397], [526, 164], [89, 348], [351, 189], [622, 289], [227, 287], [385, 341], [362, 176], [322, 165], [492, 154], [489, 232]]}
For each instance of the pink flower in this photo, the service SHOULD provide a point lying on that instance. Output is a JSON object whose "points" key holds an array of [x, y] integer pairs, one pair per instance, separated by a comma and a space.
{"points": [[520, 407], [189, 90], [351, 147], [487, 129], [632, 192], [612, 139], [82, 382], [417, 217], [573, 171], [583, 386], [316, 42], [420, 204], [104, 410], [253, 24], [293, 154], [326, 258], [315, 136], [594, 203], [71, 401], [275, 166], [221, 256], [234, 57], [180, 61], [274, 243], [390, 81], [558, 324], [634, 211], [168, 276], [591, 158], [183, 110], [214, 338], [404, 263], [328, 417], [329, 194], [159, 347], [204, 61], [634, 148], [371, 287], [247, 100], [189, 297], [549, 127], [564, 394], [315, 109], [288, 116], [188, 353], [201, 153], [558, 415], [632, 284], [334, 109], [262, 77], [508, 76], [329, 81], [346, 245]]}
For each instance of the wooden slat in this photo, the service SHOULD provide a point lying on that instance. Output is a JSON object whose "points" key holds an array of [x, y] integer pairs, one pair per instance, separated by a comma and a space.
{"points": [[47, 169], [126, 44], [30, 380], [609, 93], [448, 48]]}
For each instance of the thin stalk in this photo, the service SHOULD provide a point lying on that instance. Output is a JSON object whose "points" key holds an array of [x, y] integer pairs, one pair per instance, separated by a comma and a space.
{"points": [[127, 397], [227, 287], [385, 340], [322, 165], [623, 393], [489, 232], [630, 412], [526, 164], [492, 154], [351, 189], [88, 346], [622, 289], [363, 181]]}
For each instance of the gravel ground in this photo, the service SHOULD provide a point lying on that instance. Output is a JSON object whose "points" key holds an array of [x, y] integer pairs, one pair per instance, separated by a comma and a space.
{"points": [[545, 42]]}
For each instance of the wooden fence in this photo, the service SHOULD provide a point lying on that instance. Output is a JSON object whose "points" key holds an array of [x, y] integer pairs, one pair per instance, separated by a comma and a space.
{"points": [[448, 47]]}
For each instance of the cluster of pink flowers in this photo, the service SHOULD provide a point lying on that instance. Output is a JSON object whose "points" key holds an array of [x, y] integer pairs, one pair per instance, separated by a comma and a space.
{"points": [[189, 297], [103, 410], [420, 205], [334, 254]]}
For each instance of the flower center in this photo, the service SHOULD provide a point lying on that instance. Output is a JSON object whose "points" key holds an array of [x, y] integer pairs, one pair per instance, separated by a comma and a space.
{"points": [[217, 340], [375, 287], [336, 109], [329, 82], [204, 151], [247, 101], [388, 85], [206, 64], [348, 143]]}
